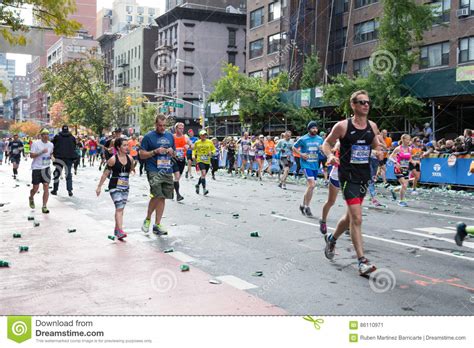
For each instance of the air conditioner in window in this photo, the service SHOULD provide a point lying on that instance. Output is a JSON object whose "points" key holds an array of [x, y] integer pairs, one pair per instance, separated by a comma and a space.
{"points": [[463, 12]]}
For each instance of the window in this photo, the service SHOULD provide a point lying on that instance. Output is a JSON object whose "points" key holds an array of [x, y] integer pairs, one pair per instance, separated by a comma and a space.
{"points": [[140, 10], [466, 49], [366, 31], [256, 18], [151, 11], [339, 38], [341, 6], [139, 76], [150, 20], [360, 3], [129, 19], [274, 11], [274, 43], [256, 49], [467, 4], [232, 37], [129, 9], [361, 67], [257, 74], [273, 72], [434, 55], [231, 58], [140, 19], [441, 10]]}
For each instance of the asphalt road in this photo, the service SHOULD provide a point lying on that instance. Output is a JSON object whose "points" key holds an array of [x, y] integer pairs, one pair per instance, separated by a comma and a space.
{"points": [[421, 270]]}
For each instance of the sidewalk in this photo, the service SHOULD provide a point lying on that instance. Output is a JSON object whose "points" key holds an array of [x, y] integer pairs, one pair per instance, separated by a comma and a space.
{"points": [[85, 273]]}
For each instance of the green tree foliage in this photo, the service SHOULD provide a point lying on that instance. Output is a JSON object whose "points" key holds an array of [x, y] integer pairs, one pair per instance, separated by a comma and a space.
{"points": [[79, 85], [147, 118], [401, 30], [299, 118], [256, 98], [311, 70]]}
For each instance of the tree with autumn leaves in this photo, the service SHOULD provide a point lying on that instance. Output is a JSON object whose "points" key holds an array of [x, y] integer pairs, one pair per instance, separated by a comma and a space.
{"points": [[29, 128]]}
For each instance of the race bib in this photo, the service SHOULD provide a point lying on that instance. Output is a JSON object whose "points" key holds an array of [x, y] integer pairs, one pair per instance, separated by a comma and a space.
{"points": [[404, 163], [163, 163], [122, 181], [360, 154], [260, 152], [15, 151], [180, 153], [245, 148], [312, 157], [45, 161], [204, 158]]}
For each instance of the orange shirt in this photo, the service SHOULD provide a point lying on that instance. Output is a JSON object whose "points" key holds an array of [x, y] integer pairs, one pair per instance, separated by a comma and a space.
{"points": [[388, 143], [295, 155], [269, 148], [180, 143], [133, 147]]}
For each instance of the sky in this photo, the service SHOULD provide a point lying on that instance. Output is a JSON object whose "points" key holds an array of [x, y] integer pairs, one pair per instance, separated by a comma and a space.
{"points": [[22, 59]]}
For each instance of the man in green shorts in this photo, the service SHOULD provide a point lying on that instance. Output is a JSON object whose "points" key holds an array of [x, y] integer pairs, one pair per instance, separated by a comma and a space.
{"points": [[157, 149]]}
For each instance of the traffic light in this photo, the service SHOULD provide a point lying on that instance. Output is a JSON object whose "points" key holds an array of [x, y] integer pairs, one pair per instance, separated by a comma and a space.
{"points": [[128, 100], [201, 120]]}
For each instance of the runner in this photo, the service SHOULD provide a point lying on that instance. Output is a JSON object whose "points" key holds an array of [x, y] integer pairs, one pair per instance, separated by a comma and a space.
{"points": [[308, 147], [259, 149], [245, 144], [415, 162], [182, 144], [103, 151], [118, 168], [41, 152], [333, 190], [142, 162], [157, 148], [297, 158], [252, 155], [374, 165], [357, 136], [284, 147], [85, 145], [77, 160], [15, 147], [92, 144], [215, 158], [202, 152], [3, 147], [401, 156], [7, 142], [133, 147], [386, 145], [26, 148], [462, 231], [231, 147], [269, 153], [323, 162], [189, 154]]}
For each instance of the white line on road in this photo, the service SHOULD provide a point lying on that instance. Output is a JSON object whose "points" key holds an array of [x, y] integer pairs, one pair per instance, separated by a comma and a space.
{"points": [[457, 217], [466, 244], [178, 255], [236, 282], [391, 241], [435, 230], [450, 228]]}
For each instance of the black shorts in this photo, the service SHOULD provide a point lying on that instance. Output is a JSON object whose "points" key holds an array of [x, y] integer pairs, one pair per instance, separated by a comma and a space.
{"points": [[202, 166], [352, 192], [41, 176], [285, 162], [268, 157], [178, 166], [383, 162], [403, 173], [323, 162], [189, 156], [15, 159], [414, 166]]}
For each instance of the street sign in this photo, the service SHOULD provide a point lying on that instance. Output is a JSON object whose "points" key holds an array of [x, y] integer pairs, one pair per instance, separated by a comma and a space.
{"points": [[174, 105]]}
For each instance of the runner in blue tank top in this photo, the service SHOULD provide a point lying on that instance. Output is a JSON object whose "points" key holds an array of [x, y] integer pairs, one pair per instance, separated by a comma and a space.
{"points": [[309, 146]]}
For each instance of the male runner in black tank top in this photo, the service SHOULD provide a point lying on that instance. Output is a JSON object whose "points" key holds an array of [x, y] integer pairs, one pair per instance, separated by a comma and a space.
{"points": [[357, 139]]}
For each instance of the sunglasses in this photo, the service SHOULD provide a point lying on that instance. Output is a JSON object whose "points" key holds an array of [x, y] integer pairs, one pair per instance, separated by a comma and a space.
{"points": [[362, 102]]}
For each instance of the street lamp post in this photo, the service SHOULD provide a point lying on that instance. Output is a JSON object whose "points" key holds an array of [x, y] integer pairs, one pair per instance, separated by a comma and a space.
{"points": [[203, 107]]}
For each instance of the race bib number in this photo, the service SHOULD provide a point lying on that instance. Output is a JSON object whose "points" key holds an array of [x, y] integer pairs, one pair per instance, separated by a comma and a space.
{"points": [[360, 154], [45, 161], [245, 148], [204, 158], [404, 163], [260, 152], [163, 163], [180, 153], [15, 151], [122, 182], [312, 157]]}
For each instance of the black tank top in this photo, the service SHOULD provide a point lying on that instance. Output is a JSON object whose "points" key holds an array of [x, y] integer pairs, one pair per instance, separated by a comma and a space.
{"points": [[120, 175], [356, 147]]}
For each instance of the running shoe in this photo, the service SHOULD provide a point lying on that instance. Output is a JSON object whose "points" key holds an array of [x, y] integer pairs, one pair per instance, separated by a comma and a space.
{"points": [[460, 233], [402, 204], [308, 212], [376, 203], [179, 198], [159, 230], [302, 210], [70, 193], [394, 195], [45, 210], [387, 185], [365, 267], [283, 186], [54, 193], [32, 202], [186, 175], [329, 250], [146, 226], [197, 188], [243, 176], [14, 177], [280, 185], [206, 192], [213, 177], [323, 228], [119, 234]]}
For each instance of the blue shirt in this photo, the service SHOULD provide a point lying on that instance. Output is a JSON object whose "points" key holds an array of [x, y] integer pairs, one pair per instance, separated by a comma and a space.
{"points": [[284, 147], [158, 163], [193, 140], [311, 146]]}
